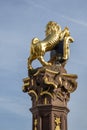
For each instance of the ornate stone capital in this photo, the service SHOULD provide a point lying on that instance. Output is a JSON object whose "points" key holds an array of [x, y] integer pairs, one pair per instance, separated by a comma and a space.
{"points": [[50, 81]]}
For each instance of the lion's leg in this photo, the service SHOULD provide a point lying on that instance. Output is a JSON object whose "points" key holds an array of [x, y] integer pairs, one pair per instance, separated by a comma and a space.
{"points": [[30, 59], [42, 61]]}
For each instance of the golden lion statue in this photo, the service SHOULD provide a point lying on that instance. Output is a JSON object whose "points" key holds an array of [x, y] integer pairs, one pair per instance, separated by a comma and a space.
{"points": [[54, 35]]}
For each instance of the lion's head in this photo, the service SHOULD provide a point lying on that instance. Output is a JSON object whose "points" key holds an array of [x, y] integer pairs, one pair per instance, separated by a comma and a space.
{"points": [[52, 27]]}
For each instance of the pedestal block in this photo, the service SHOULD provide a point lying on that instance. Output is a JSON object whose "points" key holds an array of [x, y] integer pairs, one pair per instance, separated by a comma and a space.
{"points": [[50, 117]]}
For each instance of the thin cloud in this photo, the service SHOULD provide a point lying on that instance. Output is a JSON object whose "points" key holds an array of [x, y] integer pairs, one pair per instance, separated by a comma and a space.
{"points": [[75, 20], [37, 5]]}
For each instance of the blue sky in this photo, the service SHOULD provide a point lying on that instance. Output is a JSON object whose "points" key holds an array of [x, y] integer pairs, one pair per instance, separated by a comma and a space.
{"points": [[20, 21]]}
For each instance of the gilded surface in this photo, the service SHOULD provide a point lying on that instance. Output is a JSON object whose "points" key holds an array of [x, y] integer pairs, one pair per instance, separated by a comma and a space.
{"points": [[35, 124], [54, 35], [57, 121]]}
